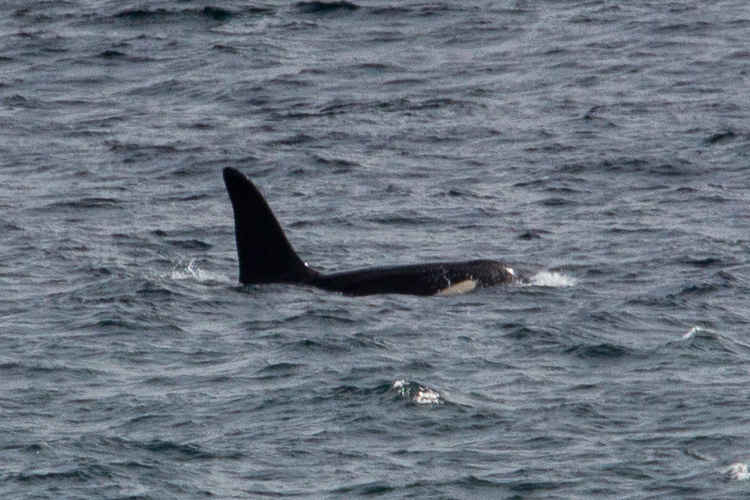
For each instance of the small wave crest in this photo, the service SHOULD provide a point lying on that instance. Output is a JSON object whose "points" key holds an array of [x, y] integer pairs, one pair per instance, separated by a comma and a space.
{"points": [[416, 393], [737, 472], [692, 332], [192, 271], [552, 279], [703, 339]]}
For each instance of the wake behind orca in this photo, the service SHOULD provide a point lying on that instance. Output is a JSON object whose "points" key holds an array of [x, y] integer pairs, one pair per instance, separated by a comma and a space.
{"points": [[266, 256]]}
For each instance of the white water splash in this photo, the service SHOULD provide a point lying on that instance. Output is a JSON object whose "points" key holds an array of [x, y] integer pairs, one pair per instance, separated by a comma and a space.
{"points": [[416, 392], [192, 271], [737, 471], [552, 279]]}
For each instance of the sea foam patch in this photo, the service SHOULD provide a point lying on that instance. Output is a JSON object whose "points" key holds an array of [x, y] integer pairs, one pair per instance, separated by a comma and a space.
{"points": [[552, 279], [192, 271], [416, 393], [737, 471]]}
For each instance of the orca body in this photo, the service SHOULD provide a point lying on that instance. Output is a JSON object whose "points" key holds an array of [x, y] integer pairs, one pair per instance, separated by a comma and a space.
{"points": [[266, 256]]}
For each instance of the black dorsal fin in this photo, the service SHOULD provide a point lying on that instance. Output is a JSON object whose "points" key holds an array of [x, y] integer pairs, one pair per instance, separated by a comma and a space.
{"points": [[264, 253]]}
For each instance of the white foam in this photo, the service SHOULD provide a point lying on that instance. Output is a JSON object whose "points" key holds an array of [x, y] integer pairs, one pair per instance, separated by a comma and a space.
{"points": [[552, 279], [417, 393], [737, 471], [426, 396], [191, 271]]}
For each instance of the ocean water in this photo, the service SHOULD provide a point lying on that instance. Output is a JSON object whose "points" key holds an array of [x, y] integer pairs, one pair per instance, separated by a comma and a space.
{"points": [[600, 147]]}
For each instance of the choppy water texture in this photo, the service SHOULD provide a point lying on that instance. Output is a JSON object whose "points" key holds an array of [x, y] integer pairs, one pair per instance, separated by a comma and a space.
{"points": [[600, 147]]}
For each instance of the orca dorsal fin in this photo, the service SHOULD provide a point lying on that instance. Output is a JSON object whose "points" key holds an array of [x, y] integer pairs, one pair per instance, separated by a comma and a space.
{"points": [[264, 253]]}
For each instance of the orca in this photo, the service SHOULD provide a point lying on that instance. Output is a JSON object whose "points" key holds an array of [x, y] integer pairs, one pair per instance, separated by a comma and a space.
{"points": [[266, 256]]}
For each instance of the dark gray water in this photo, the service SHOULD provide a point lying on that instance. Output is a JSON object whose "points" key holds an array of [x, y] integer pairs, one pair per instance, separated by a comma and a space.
{"points": [[600, 147]]}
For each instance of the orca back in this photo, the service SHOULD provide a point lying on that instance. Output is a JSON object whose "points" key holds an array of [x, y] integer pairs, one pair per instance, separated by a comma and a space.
{"points": [[264, 253], [265, 256]]}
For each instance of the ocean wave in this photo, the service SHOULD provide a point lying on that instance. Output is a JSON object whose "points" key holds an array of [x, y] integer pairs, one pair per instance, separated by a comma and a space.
{"points": [[194, 272], [416, 392], [737, 472]]}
